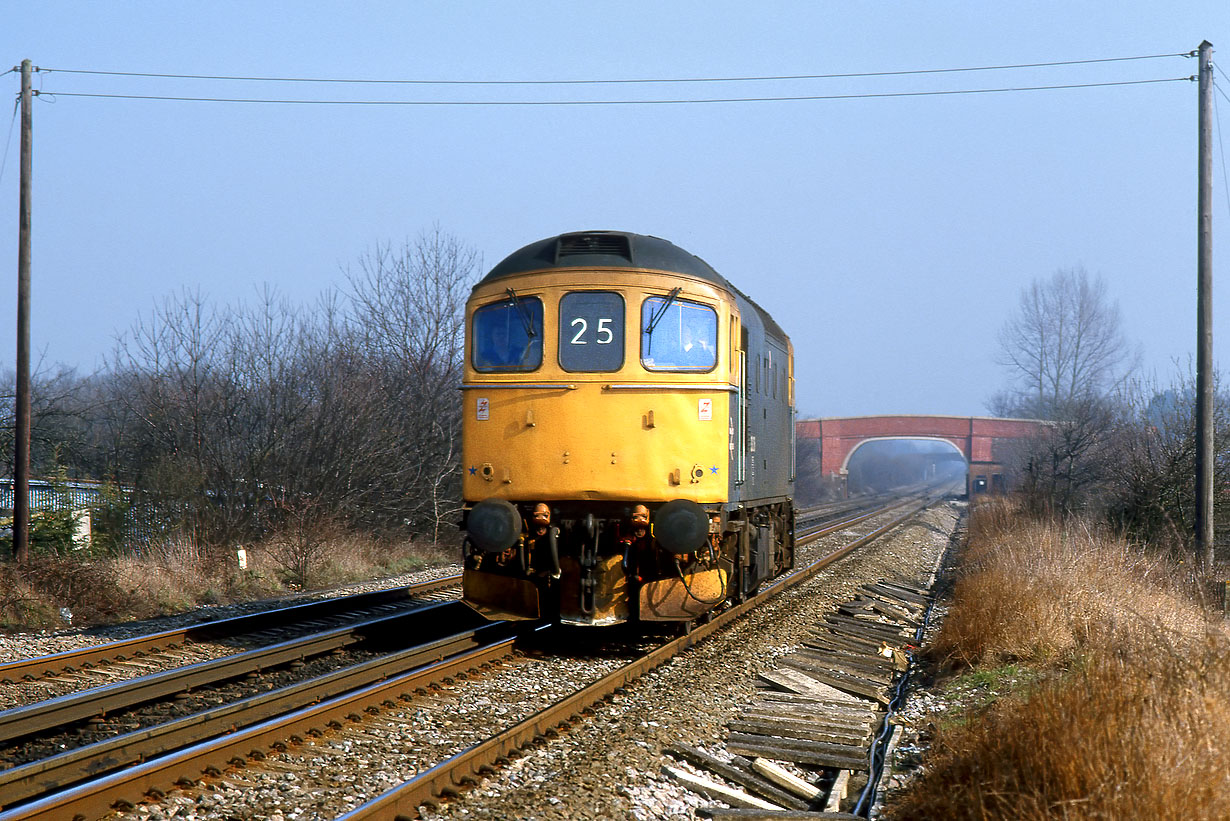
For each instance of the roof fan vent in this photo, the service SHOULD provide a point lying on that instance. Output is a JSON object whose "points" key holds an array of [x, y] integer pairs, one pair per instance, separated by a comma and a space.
{"points": [[571, 245]]}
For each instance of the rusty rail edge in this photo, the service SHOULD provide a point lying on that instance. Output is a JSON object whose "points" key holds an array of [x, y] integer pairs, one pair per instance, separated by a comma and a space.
{"points": [[825, 529], [68, 661], [464, 769], [56, 712], [123, 789], [27, 781], [854, 503], [152, 778]]}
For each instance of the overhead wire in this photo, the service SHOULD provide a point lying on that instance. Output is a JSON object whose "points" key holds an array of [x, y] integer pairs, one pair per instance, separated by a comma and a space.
{"points": [[613, 81], [1217, 85], [678, 101], [5, 162], [1221, 147]]}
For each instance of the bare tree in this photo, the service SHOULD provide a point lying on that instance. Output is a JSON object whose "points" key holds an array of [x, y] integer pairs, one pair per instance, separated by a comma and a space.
{"points": [[1067, 467], [1154, 480], [409, 310], [173, 365], [1065, 351], [411, 302], [60, 408], [1063, 345], [255, 421]]}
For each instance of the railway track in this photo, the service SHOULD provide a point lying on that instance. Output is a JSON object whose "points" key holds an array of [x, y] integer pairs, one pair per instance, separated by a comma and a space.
{"points": [[263, 627], [466, 768], [286, 716], [828, 511]]}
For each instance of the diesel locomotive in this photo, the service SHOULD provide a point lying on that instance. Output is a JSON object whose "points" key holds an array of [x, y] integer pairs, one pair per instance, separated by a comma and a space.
{"points": [[628, 435]]}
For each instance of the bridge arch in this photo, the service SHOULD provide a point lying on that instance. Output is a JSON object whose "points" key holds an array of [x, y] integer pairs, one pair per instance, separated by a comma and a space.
{"points": [[983, 441], [845, 467]]}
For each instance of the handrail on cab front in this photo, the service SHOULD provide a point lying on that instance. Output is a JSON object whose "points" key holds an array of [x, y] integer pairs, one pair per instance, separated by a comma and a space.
{"points": [[464, 386], [614, 386], [674, 386]]}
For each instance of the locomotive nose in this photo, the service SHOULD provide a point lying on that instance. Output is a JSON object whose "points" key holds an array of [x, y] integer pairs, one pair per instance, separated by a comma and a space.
{"points": [[681, 526], [494, 525]]}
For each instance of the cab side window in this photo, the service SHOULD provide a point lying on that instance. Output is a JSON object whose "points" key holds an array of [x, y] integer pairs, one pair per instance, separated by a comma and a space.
{"points": [[677, 335], [507, 336], [591, 331]]}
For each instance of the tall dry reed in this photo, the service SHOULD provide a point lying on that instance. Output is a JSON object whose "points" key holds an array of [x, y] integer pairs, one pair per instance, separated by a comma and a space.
{"points": [[1130, 718]]}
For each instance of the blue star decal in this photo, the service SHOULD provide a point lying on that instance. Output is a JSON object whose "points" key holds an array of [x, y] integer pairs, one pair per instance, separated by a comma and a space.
{"points": [[473, 471], [713, 469]]}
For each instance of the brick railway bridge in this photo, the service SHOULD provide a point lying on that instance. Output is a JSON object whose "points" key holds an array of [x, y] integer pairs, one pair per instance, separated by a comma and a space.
{"points": [[982, 440]]}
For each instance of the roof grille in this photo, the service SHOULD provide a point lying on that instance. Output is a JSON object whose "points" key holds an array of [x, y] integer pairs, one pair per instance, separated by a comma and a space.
{"points": [[617, 245]]}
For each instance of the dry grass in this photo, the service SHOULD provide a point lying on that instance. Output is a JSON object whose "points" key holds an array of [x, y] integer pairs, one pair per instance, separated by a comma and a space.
{"points": [[176, 575], [1128, 715], [1039, 592]]}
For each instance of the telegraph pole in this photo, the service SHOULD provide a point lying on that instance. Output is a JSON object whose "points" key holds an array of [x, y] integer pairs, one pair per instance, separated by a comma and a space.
{"points": [[21, 439], [1204, 313]]}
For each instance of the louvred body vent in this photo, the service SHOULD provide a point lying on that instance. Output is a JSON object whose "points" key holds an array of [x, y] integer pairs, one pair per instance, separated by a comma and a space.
{"points": [[617, 245]]}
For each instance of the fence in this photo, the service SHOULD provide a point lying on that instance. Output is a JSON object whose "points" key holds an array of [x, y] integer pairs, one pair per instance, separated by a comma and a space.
{"points": [[45, 495], [79, 496]]}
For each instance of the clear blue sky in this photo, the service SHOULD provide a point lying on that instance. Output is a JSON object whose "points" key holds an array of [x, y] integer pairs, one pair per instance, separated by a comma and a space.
{"points": [[890, 237]]}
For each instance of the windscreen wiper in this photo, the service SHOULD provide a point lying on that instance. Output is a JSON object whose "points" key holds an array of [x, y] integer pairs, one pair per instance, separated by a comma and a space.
{"points": [[657, 317], [526, 319]]}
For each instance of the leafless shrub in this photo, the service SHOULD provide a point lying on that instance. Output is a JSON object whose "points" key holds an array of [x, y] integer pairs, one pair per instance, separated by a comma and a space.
{"points": [[303, 540], [238, 420], [1153, 491]]}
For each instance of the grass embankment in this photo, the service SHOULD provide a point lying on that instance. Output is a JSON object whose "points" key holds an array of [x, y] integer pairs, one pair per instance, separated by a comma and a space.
{"points": [[79, 588], [1105, 689]]}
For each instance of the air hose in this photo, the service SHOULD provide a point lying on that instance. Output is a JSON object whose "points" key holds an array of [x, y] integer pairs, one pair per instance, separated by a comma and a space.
{"points": [[687, 587]]}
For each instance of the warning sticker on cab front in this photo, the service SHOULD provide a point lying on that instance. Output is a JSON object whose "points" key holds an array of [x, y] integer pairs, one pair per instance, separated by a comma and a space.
{"points": [[705, 410], [483, 409]]}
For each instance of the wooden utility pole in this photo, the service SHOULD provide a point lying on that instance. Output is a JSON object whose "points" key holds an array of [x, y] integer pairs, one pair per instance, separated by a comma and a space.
{"points": [[21, 439], [1204, 312]]}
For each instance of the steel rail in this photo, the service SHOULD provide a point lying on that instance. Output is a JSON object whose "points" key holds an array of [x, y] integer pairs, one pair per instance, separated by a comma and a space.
{"points": [[57, 712], [27, 781], [467, 767], [153, 777], [854, 503], [98, 798], [811, 535], [71, 660], [85, 658]]}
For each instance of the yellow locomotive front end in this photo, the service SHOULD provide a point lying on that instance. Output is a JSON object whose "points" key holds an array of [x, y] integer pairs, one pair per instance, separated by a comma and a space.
{"points": [[597, 439]]}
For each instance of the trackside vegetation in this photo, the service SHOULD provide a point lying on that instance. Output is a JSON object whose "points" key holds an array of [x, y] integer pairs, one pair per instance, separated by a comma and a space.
{"points": [[319, 439], [1087, 682], [92, 586]]}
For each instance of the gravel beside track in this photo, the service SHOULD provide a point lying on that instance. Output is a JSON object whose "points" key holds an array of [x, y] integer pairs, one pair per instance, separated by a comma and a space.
{"points": [[607, 766], [610, 767], [17, 646]]}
